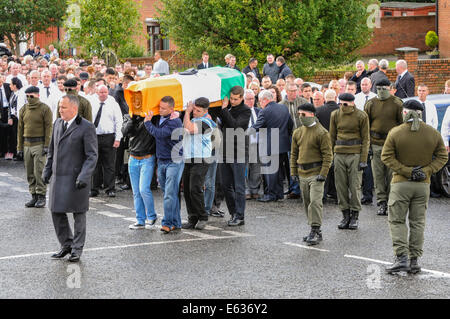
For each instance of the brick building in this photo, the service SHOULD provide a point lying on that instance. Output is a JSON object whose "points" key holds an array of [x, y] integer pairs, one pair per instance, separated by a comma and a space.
{"points": [[404, 9], [443, 14]]}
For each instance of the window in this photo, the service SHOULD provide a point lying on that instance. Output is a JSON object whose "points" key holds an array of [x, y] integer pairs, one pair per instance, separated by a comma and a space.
{"points": [[388, 13], [155, 38]]}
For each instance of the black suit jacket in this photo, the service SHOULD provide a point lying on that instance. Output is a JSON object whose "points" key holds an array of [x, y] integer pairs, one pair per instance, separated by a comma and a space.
{"points": [[247, 69], [120, 99], [7, 91], [323, 113], [405, 86], [201, 66]]}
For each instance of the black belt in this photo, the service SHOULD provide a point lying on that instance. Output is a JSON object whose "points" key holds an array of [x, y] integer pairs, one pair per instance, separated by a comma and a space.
{"points": [[34, 139], [308, 166], [349, 142], [379, 136]]}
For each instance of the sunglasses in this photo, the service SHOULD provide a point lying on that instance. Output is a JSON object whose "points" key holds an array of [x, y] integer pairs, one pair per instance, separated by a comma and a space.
{"points": [[68, 89], [345, 104], [30, 96]]}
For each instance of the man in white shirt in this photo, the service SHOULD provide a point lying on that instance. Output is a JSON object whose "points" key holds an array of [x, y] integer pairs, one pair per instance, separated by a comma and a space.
{"points": [[53, 52], [429, 114], [365, 95], [46, 88], [108, 122], [445, 129], [15, 69], [160, 67]]}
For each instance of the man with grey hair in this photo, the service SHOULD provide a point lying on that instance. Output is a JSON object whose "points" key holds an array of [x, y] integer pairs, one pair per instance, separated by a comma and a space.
{"points": [[359, 75], [318, 99], [380, 75], [372, 66], [405, 83]]}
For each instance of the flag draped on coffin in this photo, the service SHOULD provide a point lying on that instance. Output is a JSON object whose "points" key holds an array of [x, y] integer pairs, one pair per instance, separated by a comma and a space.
{"points": [[213, 83]]}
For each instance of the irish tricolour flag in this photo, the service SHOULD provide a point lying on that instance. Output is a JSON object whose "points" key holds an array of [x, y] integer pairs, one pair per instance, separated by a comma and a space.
{"points": [[213, 83]]}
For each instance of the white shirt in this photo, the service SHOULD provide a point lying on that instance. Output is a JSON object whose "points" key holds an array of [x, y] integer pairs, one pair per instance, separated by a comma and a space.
{"points": [[403, 73], [20, 76], [53, 102], [360, 99], [253, 137], [43, 93], [111, 118], [445, 128], [4, 97], [431, 114], [161, 67], [70, 122]]}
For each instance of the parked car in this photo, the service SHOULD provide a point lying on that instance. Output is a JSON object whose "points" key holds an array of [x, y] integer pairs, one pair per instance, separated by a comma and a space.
{"points": [[442, 179]]}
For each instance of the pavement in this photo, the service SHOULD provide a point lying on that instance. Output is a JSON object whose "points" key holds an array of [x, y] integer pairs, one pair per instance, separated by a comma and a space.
{"points": [[265, 258]]}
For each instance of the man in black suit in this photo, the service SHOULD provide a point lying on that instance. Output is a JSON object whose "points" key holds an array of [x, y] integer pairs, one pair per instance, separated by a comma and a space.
{"points": [[252, 68], [274, 117], [5, 96], [205, 62], [405, 83]]}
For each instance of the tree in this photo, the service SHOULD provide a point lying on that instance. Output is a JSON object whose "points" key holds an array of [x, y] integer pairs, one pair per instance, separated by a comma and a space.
{"points": [[308, 33], [105, 24], [19, 19]]}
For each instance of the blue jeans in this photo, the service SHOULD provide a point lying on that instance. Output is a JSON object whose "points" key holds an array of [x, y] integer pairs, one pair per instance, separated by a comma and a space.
{"points": [[141, 172], [210, 186], [169, 176]]}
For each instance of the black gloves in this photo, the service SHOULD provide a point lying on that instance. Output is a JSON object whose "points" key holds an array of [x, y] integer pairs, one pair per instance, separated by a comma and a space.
{"points": [[44, 151], [20, 156], [295, 178], [320, 178], [417, 175], [80, 184], [46, 179], [362, 166]]}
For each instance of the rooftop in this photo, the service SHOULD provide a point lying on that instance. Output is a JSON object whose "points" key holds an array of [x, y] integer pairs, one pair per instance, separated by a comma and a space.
{"points": [[406, 5]]}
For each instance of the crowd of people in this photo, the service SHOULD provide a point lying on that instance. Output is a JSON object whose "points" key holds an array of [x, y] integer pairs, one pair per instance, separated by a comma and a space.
{"points": [[327, 143]]}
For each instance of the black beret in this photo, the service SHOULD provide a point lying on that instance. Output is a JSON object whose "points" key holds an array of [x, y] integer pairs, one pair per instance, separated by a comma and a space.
{"points": [[32, 89], [346, 97], [71, 83], [83, 64], [383, 82], [84, 75], [307, 107], [413, 105]]}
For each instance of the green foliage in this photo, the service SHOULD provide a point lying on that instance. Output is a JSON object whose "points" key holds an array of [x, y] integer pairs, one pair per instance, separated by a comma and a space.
{"points": [[431, 39], [310, 34], [20, 18], [111, 24], [131, 50]]}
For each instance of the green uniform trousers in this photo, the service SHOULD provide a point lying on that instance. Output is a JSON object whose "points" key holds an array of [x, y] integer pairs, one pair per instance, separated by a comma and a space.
{"points": [[382, 175], [312, 193], [348, 179], [404, 197], [34, 165]]}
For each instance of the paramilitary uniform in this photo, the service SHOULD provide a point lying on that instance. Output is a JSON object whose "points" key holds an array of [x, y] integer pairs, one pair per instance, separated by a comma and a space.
{"points": [[33, 137], [85, 108], [311, 158], [349, 133], [383, 116], [411, 147]]}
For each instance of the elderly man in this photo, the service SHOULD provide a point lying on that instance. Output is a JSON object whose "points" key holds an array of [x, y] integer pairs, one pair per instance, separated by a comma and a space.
{"points": [[372, 66], [46, 88], [380, 75], [429, 113], [70, 164], [359, 75], [405, 83], [271, 69], [160, 67], [318, 99], [15, 69]]}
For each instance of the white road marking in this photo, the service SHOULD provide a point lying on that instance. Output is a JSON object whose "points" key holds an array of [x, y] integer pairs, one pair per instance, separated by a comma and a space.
{"points": [[434, 273], [236, 234], [199, 234], [95, 200], [110, 214], [117, 206], [20, 190], [208, 227], [306, 247], [16, 179], [130, 219], [4, 174]]}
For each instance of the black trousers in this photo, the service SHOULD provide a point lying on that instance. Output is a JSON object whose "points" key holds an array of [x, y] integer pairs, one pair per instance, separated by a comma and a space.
{"points": [[367, 185], [68, 239], [274, 181], [104, 171], [4, 131], [194, 195], [329, 186]]}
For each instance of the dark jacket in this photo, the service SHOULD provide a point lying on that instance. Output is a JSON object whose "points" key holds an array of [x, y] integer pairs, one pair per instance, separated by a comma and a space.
{"points": [[234, 117], [163, 135], [201, 66], [323, 113], [369, 73], [271, 70], [235, 67], [406, 86], [377, 77], [284, 71], [141, 143], [72, 156], [7, 91], [120, 99], [358, 80], [255, 71], [275, 116]]}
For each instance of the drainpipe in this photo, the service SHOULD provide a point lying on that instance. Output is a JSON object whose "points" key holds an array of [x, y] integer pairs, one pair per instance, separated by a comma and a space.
{"points": [[437, 17]]}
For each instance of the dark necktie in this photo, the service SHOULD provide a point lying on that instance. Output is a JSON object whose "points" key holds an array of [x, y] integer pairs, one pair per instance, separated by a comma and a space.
{"points": [[1, 98], [99, 114], [424, 113], [65, 127], [367, 97], [252, 117], [48, 91]]}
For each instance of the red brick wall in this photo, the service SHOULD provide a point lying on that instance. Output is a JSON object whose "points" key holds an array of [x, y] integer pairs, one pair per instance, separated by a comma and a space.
{"points": [[176, 61], [444, 28], [397, 32]]}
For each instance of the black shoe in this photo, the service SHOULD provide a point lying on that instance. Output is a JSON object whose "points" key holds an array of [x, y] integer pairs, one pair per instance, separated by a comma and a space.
{"points": [[188, 225], [40, 203], [414, 266], [400, 264], [111, 194], [74, 257], [62, 253], [366, 201], [216, 213], [314, 237], [201, 224], [382, 211], [32, 202], [346, 220], [435, 195], [93, 193], [124, 187], [266, 199], [236, 222], [353, 224]]}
